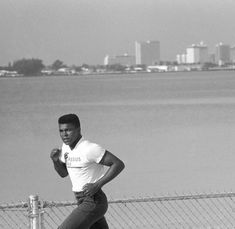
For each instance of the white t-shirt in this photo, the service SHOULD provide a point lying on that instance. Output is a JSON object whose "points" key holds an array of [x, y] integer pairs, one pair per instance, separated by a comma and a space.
{"points": [[83, 163]]}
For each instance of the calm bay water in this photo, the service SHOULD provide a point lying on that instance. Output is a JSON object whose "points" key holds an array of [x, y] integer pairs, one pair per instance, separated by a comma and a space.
{"points": [[174, 131]]}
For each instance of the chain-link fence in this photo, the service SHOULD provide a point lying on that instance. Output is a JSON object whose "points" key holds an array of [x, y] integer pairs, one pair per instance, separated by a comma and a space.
{"points": [[187, 211]]}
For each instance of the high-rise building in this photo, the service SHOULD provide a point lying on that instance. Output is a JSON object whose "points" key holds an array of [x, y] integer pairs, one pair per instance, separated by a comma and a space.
{"points": [[147, 52], [197, 54], [181, 58], [222, 54], [232, 53]]}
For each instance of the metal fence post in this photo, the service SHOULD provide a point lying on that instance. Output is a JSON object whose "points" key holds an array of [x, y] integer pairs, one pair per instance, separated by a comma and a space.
{"points": [[34, 212]]}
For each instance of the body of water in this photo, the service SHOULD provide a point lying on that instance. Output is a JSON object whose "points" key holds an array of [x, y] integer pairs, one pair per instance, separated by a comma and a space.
{"points": [[174, 131]]}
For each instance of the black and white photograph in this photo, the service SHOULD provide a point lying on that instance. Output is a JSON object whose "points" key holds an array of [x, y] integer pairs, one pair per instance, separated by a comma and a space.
{"points": [[117, 114]]}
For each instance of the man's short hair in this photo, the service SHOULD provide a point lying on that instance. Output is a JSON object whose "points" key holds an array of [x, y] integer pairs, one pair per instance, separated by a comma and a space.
{"points": [[69, 118]]}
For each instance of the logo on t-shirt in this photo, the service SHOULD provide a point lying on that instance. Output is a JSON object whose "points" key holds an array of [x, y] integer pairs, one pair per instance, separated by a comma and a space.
{"points": [[66, 156], [72, 161]]}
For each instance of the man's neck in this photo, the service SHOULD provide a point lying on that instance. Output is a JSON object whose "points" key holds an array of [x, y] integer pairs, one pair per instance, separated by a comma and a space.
{"points": [[75, 143]]}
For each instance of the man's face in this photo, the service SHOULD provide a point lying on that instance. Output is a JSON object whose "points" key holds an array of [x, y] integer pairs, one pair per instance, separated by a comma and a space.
{"points": [[69, 134]]}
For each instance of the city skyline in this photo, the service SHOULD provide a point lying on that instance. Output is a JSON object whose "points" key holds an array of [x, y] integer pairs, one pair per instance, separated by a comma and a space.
{"points": [[80, 32]]}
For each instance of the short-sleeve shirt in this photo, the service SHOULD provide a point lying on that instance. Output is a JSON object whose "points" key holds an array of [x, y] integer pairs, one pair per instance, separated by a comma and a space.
{"points": [[82, 163]]}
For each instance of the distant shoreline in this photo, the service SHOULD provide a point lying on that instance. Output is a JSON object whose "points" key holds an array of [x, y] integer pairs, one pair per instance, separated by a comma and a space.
{"points": [[115, 73]]}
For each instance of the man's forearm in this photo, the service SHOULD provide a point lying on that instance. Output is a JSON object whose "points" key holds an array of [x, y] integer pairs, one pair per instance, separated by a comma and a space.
{"points": [[60, 168], [111, 173]]}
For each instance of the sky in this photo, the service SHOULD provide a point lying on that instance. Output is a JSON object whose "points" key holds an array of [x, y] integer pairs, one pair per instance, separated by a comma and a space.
{"points": [[84, 31]]}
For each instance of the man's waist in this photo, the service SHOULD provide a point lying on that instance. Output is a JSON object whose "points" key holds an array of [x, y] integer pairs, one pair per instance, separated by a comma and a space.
{"points": [[81, 194]]}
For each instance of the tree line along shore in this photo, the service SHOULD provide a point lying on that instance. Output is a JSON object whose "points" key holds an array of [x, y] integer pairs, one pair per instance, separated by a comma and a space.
{"points": [[35, 67]]}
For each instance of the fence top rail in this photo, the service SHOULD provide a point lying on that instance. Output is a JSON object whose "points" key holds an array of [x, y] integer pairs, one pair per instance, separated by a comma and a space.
{"points": [[147, 199], [175, 198], [14, 205], [48, 204]]}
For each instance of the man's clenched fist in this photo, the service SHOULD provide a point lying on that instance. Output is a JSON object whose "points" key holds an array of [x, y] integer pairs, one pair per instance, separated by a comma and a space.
{"points": [[55, 154]]}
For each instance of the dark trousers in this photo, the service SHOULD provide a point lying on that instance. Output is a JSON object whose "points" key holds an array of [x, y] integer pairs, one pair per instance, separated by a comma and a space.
{"points": [[89, 214]]}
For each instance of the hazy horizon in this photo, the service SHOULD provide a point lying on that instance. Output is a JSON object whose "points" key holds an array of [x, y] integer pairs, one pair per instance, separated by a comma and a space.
{"points": [[78, 32]]}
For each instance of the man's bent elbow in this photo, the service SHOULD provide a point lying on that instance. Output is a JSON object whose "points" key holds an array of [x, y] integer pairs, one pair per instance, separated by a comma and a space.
{"points": [[62, 174], [121, 165]]}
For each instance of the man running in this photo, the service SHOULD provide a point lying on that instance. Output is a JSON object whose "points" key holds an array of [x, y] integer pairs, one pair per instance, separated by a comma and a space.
{"points": [[85, 163]]}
